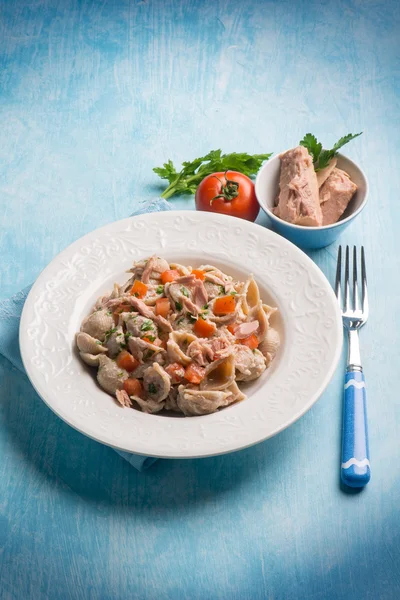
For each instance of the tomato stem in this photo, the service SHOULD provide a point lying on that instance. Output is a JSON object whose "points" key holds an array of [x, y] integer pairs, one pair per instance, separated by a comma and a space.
{"points": [[229, 191]]}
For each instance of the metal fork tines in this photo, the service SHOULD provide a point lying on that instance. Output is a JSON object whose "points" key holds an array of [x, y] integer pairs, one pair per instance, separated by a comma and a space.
{"points": [[354, 312]]}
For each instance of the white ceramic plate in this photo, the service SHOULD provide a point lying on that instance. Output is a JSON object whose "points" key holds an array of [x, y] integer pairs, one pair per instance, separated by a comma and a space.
{"points": [[309, 324]]}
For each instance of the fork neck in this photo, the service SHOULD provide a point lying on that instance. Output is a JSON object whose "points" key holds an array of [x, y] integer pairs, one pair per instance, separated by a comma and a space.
{"points": [[353, 351]]}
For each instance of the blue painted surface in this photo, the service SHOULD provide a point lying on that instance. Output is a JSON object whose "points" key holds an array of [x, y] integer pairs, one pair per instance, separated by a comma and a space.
{"points": [[94, 94], [355, 469]]}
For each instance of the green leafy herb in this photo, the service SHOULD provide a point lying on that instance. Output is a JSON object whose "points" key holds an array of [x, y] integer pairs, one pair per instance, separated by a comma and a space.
{"points": [[179, 321], [193, 172], [221, 290], [178, 306], [152, 389], [205, 307], [98, 342], [109, 312], [233, 293], [128, 334], [185, 292], [160, 289], [136, 294], [120, 374], [150, 337], [192, 317], [109, 333], [147, 325], [321, 158], [310, 142]]}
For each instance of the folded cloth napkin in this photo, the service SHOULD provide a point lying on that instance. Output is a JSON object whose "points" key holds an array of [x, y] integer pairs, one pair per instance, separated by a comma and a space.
{"points": [[10, 315]]}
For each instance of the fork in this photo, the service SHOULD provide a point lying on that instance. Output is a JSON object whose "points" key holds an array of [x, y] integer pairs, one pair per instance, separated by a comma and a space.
{"points": [[355, 468]]}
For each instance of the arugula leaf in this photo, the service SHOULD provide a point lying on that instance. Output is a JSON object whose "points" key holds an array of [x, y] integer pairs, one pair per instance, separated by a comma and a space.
{"points": [[193, 172], [314, 147]]}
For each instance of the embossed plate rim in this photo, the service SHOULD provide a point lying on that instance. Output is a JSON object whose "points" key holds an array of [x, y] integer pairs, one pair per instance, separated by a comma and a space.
{"points": [[229, 430]]}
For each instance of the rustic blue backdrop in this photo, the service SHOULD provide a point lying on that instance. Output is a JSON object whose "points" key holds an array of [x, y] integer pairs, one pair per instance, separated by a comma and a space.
{"points": [[93, 95]]}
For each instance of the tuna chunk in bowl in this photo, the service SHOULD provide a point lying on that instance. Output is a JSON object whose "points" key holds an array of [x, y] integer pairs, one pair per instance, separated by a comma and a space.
{"points": [[307, 235]]}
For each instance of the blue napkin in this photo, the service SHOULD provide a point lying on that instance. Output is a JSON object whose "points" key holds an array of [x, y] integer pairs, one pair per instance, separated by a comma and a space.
{"points": [[10, 314]]}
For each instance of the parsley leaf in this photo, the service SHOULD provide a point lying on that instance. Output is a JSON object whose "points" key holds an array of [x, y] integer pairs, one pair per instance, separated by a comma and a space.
{"points": [[233, 293], [321, 157], [221, 290], [152, 388], [148, 354], [178, 306], [150, 337], [185, 292], [147, 325], [193, 172], [160, 289], [310, 142], [109, 333]]}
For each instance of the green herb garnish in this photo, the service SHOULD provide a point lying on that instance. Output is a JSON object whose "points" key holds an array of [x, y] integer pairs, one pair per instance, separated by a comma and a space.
{"points": [[152, 389], [179, 321], [98, 342], [147, 325], [150, 337], [321, 158], [233, 293], [109, 333], [120, 374], [185, 292], [178, 306], [192, 317], [160, 289], [193, 172], [205, 307], [221, 290]]}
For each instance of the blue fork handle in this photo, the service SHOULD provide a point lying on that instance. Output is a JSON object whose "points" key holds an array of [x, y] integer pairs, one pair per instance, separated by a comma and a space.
{"points": [[355, 469]]}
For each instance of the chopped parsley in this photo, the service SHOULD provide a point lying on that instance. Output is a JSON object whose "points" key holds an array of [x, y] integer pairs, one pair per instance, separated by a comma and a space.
{"points": [[205, 307], [147, 325], [179, 321], [98, 342], [148, 354], [185, 292], [109, 312], [192, 317], [221, 290], [150, 337], [233, 293], [178, 306], [120, 374], [152, 389], [128, 334], [109, 333], [160, 289]]}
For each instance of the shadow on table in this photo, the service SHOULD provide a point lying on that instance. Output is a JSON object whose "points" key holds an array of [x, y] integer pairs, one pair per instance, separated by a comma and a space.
{"points": [[97, 474]]}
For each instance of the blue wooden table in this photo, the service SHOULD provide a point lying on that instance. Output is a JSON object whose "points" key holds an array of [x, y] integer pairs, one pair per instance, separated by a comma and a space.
{"points": [[93, 95]]}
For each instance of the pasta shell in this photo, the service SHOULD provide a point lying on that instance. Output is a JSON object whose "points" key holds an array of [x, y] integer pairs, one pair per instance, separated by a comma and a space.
{"points": [[97, 324], [251, 295], [219, 374], [110, 376], [201, 402], [271, 343], [90, 359], [156, 383], [177, 346], [88, 344]]}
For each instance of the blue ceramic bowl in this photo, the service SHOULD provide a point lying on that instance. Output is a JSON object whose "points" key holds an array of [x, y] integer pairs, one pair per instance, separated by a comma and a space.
{"points": [[267, 189]]}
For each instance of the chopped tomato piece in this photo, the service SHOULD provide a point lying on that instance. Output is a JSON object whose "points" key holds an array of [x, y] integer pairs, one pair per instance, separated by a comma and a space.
{"points": [[224, 305], [231, 328], [169, 275], [126, 361], [176, 371], [194, 373], [203, 329], [163, 307], [133, 387], [138, 289], [198, 274], [251, 341]]}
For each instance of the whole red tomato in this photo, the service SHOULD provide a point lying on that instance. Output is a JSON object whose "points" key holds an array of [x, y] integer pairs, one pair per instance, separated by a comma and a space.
{"points": [[230, 193]]}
